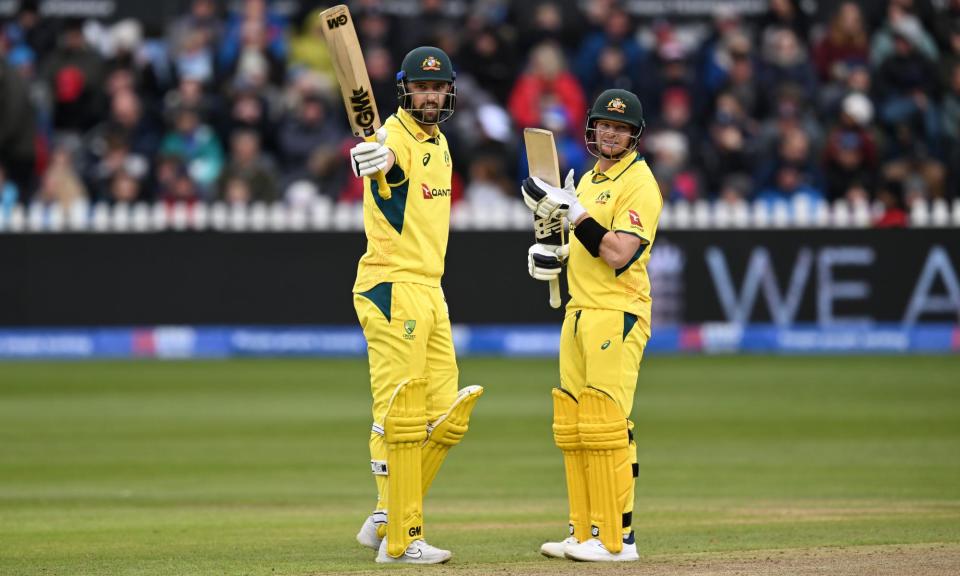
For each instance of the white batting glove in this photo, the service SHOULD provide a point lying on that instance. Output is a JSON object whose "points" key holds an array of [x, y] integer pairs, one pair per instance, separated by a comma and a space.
{"points": [[368, 158], [548, 201], [545, 262]]}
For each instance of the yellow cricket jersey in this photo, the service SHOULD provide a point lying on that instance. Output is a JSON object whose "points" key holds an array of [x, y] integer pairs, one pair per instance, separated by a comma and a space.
{"points": [[626, 198], [407, 234]]}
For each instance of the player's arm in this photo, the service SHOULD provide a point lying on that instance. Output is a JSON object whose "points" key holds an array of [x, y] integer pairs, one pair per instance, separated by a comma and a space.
{"points": [[613, 247]]}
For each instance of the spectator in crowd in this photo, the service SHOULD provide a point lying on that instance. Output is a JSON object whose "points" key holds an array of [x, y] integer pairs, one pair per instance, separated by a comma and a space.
{"points": [[17, 128], [249, 110], [784, 15], [727, 150], [851, 158], [670, 73], [845, 43], [29, 29], [792, 173], [197, 146], [305, 51], [490, 58], [713, 57], [112, 157], [908, 86], [547, 86], [785, 62], [251, 168], [951, 128], [201, 24], [791, 112], [900, 22], [951, 53], [124, 188], [61, 184], [254, 38], [741, 79], [610, 58], [75, 74], [894, 212], [9, 194], [489, 185], [174, 183], [922, 176], [546, 21], [677, 177], [305, 132]]}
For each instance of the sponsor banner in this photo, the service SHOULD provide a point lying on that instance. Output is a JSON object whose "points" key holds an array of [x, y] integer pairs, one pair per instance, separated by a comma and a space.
{"points": [[182, 342]]}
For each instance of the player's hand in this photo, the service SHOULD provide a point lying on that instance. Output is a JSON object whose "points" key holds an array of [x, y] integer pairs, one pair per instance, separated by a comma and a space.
{"points": [[368, 158], [545, 262], [548, 201]]}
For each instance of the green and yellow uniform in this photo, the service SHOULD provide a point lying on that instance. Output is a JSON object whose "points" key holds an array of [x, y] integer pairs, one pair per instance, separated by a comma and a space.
{"points": [[605, 330], [400, 304]]}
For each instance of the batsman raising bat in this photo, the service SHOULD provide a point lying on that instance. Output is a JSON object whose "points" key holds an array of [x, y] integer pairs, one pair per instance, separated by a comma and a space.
{"points": [[614, 212], [418, 412]]}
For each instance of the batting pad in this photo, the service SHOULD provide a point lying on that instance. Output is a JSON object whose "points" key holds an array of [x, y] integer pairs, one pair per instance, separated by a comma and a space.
{"points": [[447, 431], [404, 430], [604, 433], [567, 437]]}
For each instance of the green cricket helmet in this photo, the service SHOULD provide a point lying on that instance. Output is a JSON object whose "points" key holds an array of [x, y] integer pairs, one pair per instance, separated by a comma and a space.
{"points": [[615, 105], [430, 64]]}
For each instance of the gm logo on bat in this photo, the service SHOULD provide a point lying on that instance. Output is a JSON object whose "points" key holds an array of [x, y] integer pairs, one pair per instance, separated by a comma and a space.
{"points": [[337, 22], [360, 104]]}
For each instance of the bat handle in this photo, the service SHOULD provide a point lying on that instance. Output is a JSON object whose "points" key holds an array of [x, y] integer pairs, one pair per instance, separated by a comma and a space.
{"points": [[383, 189], [555, 293]]}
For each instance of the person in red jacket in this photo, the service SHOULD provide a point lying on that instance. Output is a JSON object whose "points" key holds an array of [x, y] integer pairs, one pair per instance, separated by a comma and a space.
{"points": [[546, 83]]}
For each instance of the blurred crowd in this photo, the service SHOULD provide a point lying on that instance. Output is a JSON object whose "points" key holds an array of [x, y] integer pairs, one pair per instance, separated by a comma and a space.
{"points": [[241, 104]]}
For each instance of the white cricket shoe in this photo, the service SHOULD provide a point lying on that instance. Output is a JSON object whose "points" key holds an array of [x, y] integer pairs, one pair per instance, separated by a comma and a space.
{"points": [[594, 551], [418, 552], [557, 549], [367, 535]]}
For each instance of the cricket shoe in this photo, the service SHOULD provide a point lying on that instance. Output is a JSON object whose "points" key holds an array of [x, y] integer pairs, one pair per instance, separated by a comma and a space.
{"points": [[557, 549], [594, 551], [418, 552], [369, 535]]}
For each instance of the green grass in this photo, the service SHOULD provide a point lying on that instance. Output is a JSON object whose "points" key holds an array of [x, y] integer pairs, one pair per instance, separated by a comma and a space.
{"points": [[261, 467]]}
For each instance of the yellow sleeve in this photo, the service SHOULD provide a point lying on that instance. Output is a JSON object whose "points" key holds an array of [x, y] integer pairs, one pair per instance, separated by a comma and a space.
{"points": [[638, 210], [397, 144]]}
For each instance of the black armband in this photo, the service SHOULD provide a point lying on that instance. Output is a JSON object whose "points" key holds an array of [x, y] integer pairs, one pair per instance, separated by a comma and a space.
{"points": [[590, 233]]}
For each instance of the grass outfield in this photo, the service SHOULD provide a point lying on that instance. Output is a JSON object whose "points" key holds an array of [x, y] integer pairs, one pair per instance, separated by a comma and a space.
{"points": [[261, 467]]}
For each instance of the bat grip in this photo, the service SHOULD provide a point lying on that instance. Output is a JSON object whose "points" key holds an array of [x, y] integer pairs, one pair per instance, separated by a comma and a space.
{"points": [[383, 189], [555, 293]]}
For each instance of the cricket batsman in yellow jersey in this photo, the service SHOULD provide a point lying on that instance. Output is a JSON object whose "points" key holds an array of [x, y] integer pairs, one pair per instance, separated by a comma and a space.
{"points": [[418, 411], [613, 213]]}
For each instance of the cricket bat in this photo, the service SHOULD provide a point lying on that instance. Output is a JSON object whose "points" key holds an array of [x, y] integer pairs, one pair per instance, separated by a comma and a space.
{"points": [[543, 163], [341, 37]]}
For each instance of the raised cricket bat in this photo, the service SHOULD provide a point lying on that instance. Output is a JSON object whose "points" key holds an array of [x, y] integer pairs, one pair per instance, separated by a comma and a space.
{"points": [[337, 26], [543, 163]]}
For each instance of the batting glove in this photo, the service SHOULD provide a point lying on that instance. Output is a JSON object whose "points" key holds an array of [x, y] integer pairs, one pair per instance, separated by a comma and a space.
{"points": [[368, 158], [548, 201], [545, 262]]}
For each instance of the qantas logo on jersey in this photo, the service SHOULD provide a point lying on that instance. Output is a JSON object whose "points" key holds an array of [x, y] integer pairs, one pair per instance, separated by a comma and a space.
{"points": [[635, 219], [430, 193]]}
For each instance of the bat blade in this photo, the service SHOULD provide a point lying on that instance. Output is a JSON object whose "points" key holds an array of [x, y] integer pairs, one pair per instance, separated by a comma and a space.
{"points": [[351, 70], [542, 155], [544, 164]]}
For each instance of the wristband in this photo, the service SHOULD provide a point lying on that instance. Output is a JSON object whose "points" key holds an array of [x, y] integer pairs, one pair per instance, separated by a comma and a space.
{"points": [[590, 233]]}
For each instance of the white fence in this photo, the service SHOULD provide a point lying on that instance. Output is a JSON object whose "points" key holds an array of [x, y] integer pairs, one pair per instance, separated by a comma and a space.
{"points": [[325, 215]]}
